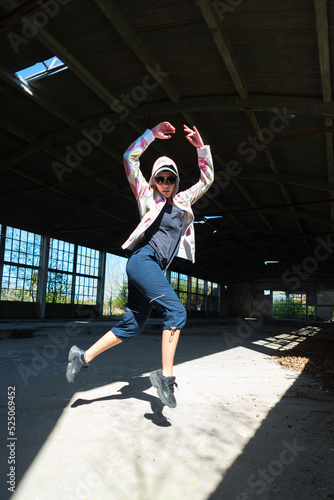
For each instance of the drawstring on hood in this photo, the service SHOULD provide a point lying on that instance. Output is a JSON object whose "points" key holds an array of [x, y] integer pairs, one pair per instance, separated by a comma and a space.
{"points": [[158, 165]]}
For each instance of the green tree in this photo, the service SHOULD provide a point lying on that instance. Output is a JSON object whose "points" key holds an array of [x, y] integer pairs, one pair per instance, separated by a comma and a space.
{"points": [[122, 297], [115, 285]]}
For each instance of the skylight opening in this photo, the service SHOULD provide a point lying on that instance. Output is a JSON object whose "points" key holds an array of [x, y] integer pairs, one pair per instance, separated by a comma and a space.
{"points": [[24, 85], [41, 70]]}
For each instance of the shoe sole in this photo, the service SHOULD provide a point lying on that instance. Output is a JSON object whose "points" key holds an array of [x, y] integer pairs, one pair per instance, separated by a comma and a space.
{"points": [[155, 383], [69, 375]]}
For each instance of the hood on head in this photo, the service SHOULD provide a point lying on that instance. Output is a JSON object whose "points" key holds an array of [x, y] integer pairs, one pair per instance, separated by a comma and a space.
{"points": [[159, 166]]}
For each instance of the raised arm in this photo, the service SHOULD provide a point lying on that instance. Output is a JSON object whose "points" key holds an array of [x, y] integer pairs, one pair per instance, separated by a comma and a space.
{"points": [[205, 164], [163, 130], [131, 160], [193, 136], [131, 157]]}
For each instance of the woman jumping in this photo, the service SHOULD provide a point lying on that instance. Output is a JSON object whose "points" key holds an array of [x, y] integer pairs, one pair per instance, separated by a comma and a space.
{"points": [[166, 230]]}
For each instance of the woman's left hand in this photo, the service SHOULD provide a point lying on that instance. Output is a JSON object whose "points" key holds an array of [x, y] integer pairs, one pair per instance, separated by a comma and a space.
{"points": [[163, 130], [193, 136]]}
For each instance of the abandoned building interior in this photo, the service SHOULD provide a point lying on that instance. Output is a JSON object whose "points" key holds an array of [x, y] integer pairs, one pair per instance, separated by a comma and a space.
{"points": [[80, 81], [75, 95]]}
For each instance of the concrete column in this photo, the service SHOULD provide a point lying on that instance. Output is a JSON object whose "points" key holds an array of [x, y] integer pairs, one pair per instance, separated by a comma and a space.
{"points": [[101, 283], [270, 298], [316, 304], [42, 276], [74, 275], [220, 301], [189, 296], [206, 298]]}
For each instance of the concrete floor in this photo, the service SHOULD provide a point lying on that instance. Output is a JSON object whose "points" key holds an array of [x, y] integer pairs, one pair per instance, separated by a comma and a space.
{"points": [[244, 427]]}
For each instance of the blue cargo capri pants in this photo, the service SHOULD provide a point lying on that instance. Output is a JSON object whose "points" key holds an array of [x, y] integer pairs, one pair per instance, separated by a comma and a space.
{"points": [[148, 287]]}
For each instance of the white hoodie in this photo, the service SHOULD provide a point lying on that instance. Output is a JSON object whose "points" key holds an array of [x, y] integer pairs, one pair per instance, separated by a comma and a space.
{"points": [[150, 202]]}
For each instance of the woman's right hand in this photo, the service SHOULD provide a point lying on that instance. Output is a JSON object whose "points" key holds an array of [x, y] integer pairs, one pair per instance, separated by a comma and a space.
{"points": [[163, 130]]}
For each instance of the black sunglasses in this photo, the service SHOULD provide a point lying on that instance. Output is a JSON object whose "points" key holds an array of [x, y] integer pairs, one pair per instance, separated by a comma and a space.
{"points": [[161, 180]]}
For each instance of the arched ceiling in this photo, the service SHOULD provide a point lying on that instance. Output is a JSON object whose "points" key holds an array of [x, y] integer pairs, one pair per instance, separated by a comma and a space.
{"points": [[254, 76]]}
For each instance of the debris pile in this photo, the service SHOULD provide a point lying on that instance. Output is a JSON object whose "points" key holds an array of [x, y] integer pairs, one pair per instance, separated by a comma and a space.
{"points": [[315, 356]]}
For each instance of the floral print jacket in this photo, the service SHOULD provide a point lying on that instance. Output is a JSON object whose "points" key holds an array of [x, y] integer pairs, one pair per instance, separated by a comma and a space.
{"points": [[150, 202]]}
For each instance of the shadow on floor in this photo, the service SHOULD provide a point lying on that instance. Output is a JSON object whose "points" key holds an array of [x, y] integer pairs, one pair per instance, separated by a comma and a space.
{"points": [[42, 396], [291, 454], [134, 388]]}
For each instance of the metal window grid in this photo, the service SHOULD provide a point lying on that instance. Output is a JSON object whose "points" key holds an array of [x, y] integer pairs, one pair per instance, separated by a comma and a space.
{"points": [[19, 283], [85, 290], [88, 261], [61, 256], [21, 256], [59, 287], [22, 247]]}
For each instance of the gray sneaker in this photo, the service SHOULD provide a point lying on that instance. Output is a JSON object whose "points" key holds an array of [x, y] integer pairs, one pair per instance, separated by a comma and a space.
{"points": [[75, 363], [165, 386]]}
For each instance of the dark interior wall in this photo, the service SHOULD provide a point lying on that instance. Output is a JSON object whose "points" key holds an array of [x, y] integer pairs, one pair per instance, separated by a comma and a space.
{"points": [[247, 300], [30, 310], [18, 310]]}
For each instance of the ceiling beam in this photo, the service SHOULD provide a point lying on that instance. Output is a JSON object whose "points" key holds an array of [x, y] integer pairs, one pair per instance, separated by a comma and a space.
{"points": [[214, 23], [16, 201], [288, 106], [258, 130], [250, 200], [121, 25], [202, 104], [296, 180], [329, 151], [78, 69], [28, 208], [56, 189], [243, 209], [35, 95], [27, 9], [86, 206], [192, 121], [57, 49], [55, 152], [42, 143], [61, 157], [215, 26], [16, 130], [118, 21], [321, 18]]}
